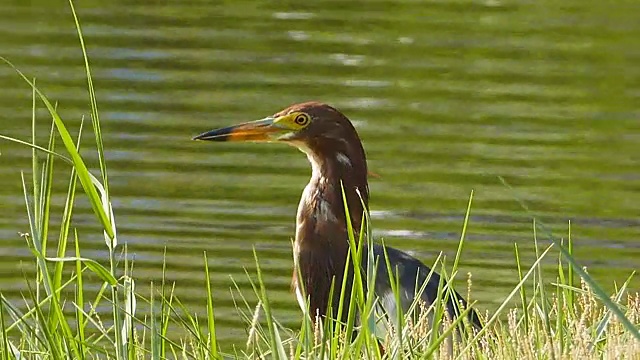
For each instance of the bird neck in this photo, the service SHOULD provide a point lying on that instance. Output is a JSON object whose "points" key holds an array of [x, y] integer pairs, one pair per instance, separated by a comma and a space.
{"points": [[330, 177], [321, 211], [321, 243]]}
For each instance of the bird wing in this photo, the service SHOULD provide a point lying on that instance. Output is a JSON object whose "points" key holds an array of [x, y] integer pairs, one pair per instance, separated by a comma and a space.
{"points": [[415, 281]]}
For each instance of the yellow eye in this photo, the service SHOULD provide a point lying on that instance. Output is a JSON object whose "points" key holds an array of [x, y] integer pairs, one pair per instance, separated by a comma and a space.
{"points": [[301, 119]]}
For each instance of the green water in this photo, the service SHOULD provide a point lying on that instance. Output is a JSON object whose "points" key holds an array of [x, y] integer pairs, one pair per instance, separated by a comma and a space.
{"points": [[446, 95]]}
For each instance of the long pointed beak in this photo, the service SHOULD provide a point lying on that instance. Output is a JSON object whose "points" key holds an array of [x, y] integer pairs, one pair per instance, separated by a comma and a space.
{"points": [[259, 130]]}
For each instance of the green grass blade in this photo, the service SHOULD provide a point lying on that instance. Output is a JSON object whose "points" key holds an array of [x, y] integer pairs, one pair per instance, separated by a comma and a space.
{"points": [[523, 292], [35, 170], [393, 276], [35, 246], [45, 191], [83, 171], [600, 293], [95, 116], [129, 313], [464, 233], [36, 147], [154, 336], [80, 325], [604, 322], [166, 306], [505, 302], [544, 312], [65, 224], [571, 280], [213, 342], [102, 272], [278, 351], [357, 300], [4, 335], [48, 332]]}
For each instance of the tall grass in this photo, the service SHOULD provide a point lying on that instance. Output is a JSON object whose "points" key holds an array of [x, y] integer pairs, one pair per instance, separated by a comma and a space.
{"points": [[59, 317]]}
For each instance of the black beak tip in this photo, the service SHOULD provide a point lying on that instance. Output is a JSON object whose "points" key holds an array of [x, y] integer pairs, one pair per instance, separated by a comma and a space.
{"points": [[213, 135]]}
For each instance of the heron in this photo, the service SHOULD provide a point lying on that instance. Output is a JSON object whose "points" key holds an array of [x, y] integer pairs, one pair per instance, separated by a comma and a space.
{"points": [[321, 246]]}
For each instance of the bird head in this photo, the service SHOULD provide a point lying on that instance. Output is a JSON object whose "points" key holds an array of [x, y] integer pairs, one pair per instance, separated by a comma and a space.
{"points": [[306, 126]]}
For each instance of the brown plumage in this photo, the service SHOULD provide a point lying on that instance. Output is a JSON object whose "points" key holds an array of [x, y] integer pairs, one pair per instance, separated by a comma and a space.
{"points": [[320, 249], [321, 245]]}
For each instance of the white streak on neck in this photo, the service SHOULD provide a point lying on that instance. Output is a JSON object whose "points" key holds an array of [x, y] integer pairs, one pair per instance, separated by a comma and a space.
{"points": [[343, 159], [324, 212]]}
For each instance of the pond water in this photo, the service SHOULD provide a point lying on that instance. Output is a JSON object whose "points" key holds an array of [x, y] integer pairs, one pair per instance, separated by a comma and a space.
{"points": [[447, 96]]}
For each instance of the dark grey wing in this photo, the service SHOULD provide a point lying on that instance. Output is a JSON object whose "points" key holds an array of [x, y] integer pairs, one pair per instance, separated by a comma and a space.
{"points": [[412, 275]]}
